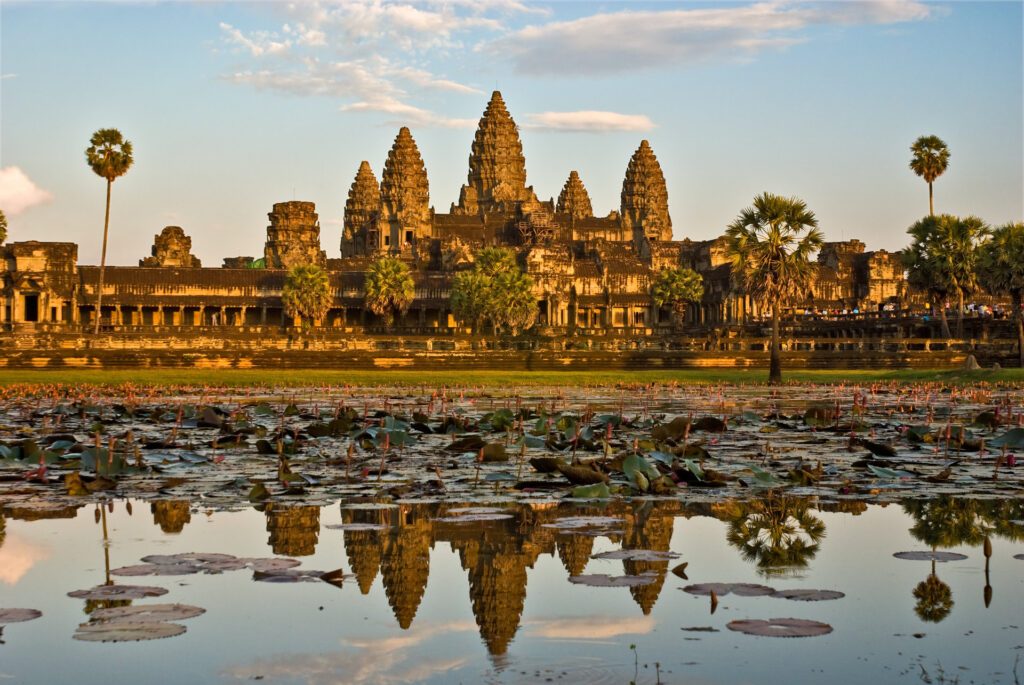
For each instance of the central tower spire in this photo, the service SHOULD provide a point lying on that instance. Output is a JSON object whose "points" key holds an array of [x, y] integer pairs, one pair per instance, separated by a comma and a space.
{"points": [[497, 167]]}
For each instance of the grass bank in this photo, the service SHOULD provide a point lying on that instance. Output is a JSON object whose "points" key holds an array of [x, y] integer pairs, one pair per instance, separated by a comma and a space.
{"points": [[319, 377]]}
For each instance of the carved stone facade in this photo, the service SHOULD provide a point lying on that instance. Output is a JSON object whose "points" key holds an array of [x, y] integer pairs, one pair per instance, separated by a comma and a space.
{"points": [[293, 236], [171, 247]]}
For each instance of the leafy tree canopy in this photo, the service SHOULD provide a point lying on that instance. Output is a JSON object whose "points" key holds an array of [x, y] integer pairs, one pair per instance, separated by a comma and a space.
{"points": [[495, 290], [307, 292]]}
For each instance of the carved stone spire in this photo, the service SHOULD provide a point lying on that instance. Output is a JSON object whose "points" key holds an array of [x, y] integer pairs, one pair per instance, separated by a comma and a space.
{"points": [[497, 167], [361, 211], [574, 199], [645, 196], [404, 195]]}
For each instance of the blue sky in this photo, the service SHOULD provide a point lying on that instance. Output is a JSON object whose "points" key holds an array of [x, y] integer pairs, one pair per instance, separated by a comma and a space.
{"points": [[234, 106]]}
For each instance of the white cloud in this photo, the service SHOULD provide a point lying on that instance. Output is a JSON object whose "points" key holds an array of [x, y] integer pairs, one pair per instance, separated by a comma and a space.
{"points": [[18, 192], [372, 39], [636, 39], [258, 43], [4, 77], [589, 121]]}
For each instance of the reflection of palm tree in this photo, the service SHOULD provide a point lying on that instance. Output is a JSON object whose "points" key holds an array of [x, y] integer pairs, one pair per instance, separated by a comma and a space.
{"points": [[779, 533], [3, 528], [92, 605], [947, 521], [934, 598]]}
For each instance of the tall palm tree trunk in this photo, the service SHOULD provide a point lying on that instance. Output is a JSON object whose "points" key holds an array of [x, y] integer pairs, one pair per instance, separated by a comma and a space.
{"points": [[931, 200], [960, 316], [941, 306], [103, 264], [1019, 318], [774, 364]]}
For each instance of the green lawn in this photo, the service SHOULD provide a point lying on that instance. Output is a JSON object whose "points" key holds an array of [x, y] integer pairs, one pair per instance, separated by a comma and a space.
{"points": [[319, 377]]}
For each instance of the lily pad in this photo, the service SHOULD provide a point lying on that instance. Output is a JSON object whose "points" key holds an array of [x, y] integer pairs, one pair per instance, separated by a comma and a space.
{"points": [[929, 555], [637, 555], [270, 564], [119, 592], [356, 526], [156, 570], [18, 615], [118, 631], [780, 627], [809, 595], [583, 522], [147, 613], [604, 580], [722, 589]]}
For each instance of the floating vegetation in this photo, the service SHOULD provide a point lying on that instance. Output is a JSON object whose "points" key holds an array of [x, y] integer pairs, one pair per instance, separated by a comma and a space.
{"points": [[18, 615], [147, 613], [722, 589], [603, 580], [120, 631], [780, 627], [809, 595], [931, 555], [116, 592]]}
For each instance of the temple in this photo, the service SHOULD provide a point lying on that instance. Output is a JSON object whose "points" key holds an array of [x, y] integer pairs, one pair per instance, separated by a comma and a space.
{"points": [[592, 274]]}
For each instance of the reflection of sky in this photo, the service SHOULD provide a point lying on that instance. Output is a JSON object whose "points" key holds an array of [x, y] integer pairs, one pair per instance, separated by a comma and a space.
{"points": [[17, 556], [315, 633]]}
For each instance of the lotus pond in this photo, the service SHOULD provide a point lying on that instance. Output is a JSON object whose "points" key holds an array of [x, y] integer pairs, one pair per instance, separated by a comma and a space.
{"points": [[655, 533]]}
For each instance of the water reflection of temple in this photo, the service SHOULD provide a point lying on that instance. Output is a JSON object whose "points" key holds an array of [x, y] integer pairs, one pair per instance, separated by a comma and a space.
{"points": [[293, 530], [495, 554], [171, 515]]}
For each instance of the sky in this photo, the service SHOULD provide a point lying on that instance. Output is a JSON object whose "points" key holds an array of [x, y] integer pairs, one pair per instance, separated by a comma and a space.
{"points": [[234, 106]]}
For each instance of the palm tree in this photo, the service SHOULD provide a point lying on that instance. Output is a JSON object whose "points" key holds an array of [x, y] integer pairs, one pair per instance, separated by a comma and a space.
{"points": [[931, 157], [676, 288], [1002, 272], [307, 292], [495, 290], [770, 245], [3, 227], [943, 259], [390, 288], [109, 155]]}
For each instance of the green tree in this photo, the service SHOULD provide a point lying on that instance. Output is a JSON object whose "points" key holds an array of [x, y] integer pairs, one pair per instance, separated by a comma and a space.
{"points": [[1002, 272], [307, 293], [390, 288], [676, 288], [770, 245], [942, 260], [109, 155], [930, 158], [3, 227], [469, 297], [495, 290]]}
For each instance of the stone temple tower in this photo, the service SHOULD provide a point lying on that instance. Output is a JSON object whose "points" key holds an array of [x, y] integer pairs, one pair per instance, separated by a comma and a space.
{"points": [[293, 236], [644, 207], [497, 167], [574, 199], [361, 212], [404, 197]]}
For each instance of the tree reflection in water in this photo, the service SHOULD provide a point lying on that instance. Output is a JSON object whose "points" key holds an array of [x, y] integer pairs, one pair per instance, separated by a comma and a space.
{"points": [[947, 521], [779, 533]]}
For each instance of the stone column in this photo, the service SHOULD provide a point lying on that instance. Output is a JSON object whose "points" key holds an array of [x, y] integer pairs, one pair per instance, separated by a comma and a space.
{"points": [[263, 315], [241, 316]]}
